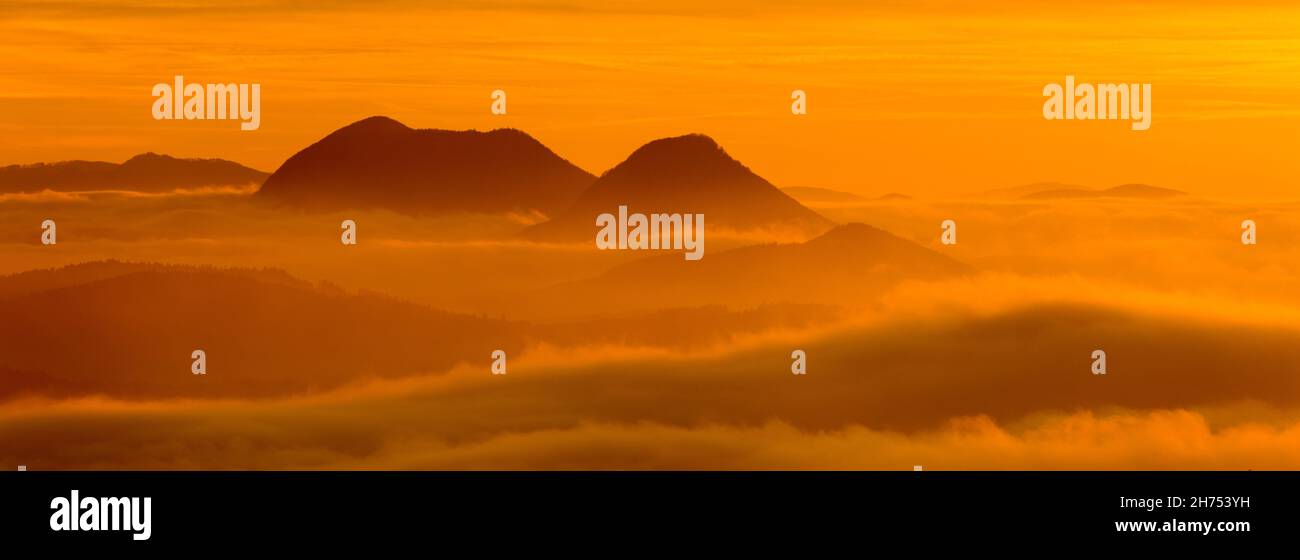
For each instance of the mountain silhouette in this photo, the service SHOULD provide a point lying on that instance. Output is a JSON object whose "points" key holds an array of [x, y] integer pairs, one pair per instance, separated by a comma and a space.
{"points": [[381, 163], [148, 172], [689, 175], [1129, 190], [844, 265]]}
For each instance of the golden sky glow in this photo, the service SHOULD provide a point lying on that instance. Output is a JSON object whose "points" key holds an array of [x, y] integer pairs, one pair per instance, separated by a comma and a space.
{"points": [[930, 99]]}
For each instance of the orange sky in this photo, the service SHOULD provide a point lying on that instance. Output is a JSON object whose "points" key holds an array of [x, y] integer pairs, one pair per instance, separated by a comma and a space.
{"points": [[930, 99]]}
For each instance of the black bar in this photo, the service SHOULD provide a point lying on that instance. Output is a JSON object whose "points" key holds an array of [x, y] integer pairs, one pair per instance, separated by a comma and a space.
{"points": [[321, 510]]}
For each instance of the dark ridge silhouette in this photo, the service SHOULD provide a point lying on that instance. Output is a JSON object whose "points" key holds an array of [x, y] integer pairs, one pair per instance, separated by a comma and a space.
{"points": [[918, 374], [147, 172], [45, 279], [893, 196], [816, 194], [127, 330], [686, 174], [381, 163], [1129, 190], [846, 264]]}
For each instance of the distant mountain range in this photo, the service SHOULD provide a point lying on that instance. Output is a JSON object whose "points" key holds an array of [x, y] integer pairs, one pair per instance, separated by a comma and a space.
{"points": [[147, 172], [1053, 190], [686, 174], [381, 163], [1019, 191], [1131, 190]]}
